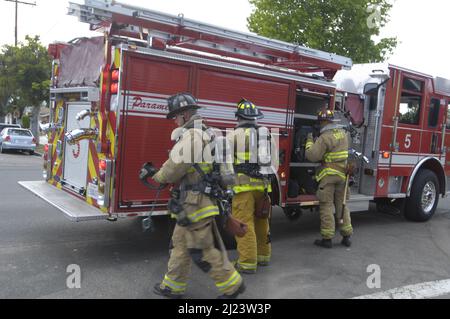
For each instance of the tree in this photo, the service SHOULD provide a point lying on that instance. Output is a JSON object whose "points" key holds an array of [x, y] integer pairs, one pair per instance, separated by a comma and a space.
{"points": [[344, 27], [25, 121], [25, 78]]}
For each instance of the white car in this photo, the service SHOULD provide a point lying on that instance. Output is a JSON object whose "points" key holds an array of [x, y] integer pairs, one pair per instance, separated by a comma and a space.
{"points": [[17, 139]]}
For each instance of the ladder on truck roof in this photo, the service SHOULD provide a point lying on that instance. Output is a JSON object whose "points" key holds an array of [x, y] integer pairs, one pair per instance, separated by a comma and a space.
{"points": [[163, 30]]}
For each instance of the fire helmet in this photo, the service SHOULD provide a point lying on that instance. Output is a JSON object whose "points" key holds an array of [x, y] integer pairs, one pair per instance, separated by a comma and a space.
{"points": [[248, 111], [325, 115], [181, 102]]}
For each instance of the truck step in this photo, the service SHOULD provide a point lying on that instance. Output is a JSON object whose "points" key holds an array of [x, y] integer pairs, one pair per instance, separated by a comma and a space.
{"points": [[75, 209]]}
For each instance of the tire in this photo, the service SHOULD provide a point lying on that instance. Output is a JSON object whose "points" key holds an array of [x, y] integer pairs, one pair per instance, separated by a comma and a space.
{"points": [[386, 206], [293, 213], [31, 152], [424, 197], [1, 149]]}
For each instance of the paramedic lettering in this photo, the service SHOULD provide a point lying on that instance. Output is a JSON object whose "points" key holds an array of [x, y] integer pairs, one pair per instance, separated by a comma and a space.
{"points": [[148, 104]]}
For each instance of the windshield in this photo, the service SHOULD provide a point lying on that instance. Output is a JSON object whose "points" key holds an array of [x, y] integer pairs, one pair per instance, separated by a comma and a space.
{"points": [[19, 133]]}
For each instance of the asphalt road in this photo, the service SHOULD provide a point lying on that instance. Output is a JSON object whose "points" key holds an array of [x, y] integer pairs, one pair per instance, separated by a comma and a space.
{"points": [[117, 260]]}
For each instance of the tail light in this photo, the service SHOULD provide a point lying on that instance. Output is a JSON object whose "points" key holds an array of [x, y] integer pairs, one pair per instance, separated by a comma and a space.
{"points": [[34, 140], [45, 154], [102, 165], [115, 74], [114, 88], [7, 138]]}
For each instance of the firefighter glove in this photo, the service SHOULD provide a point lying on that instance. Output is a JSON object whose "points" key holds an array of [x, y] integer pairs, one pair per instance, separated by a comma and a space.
{"points": [[148, 170]]}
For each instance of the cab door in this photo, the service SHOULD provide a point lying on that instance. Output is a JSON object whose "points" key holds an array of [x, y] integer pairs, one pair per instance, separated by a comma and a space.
{"points": [[410, 121], [432, 130], [447, 140]]}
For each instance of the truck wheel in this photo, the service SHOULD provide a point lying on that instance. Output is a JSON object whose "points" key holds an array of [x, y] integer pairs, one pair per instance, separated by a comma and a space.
{"points": [[293, 213], [424, 198], [386, 206]]}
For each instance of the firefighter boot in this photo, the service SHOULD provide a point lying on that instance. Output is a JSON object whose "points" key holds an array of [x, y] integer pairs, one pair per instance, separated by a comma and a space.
{"points": [[166, 292], [325, 243], [234, 295], [346, 241]]}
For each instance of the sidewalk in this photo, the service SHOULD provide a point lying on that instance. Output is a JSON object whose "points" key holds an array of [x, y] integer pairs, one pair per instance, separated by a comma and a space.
{"points": [[43, 140]]}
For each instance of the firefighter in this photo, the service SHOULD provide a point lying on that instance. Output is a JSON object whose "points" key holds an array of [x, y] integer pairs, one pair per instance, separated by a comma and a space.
{"points": [[251, 188], [195, 233], [331, 148]]}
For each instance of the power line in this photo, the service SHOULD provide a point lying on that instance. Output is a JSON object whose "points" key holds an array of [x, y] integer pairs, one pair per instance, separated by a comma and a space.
{"points": [[17, 7]]}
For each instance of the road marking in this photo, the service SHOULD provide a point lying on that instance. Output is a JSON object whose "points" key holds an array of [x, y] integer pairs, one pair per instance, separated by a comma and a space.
{"points": [[423, 290]]}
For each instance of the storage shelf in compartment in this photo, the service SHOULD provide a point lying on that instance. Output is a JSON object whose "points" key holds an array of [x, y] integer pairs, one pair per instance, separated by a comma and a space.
{"points": [[305, 164], [305, 116]]}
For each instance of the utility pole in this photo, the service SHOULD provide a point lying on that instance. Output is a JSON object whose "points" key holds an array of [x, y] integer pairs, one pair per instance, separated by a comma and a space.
{"points": [[17, 7]]}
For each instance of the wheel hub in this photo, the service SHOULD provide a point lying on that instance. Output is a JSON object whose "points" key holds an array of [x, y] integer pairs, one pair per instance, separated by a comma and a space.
{"points": [[428, 197]]}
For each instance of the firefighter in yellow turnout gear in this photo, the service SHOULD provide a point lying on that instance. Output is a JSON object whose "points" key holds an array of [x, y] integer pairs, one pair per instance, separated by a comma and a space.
{"points": [[195, 233], [331, 148], [250, 188]]}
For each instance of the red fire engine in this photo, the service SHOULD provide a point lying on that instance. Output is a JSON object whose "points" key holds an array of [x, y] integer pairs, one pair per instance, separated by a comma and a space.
{"points": [[108, 109]]}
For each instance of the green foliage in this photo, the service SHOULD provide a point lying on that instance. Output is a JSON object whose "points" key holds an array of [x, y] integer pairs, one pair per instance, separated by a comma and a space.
{"points": [[344, 27], [24, 75], [25, 121]]}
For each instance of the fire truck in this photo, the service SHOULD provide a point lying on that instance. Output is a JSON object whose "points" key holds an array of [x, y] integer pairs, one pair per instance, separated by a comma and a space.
{"points": [[109, 106]]}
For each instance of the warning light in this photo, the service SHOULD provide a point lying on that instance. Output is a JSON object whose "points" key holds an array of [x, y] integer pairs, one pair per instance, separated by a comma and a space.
{"points": [[115, 75], [283, 175], [102, 165], [114, 88], [386, 155]]}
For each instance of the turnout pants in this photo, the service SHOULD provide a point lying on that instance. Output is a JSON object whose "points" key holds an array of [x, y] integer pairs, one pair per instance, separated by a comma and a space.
{"points": [[331, 195], [196, 243], [255, 246]]}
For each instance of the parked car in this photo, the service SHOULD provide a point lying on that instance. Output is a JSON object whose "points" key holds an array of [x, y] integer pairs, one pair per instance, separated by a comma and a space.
{"points": [[5, 125], [17, 139]]}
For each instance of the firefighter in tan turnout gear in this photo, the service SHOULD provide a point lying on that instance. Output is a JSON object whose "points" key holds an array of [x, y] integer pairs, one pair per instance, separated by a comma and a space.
{"points": [[196, 231], [331, 148], [251, 189]]}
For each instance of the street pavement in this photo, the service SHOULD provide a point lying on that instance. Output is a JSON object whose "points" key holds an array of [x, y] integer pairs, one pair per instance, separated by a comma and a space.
{"points": [[118, 260]]}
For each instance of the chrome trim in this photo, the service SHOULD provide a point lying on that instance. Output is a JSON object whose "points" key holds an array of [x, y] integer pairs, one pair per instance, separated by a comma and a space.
{"points": [[444, 128], [108, 183], [417, 168], [81, 134], [396, 196], [143, 206], [118, 112], [279, 190], [83, 114]]}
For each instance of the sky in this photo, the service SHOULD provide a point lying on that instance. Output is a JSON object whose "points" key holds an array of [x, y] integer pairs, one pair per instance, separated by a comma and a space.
{"points": [[420, 26]]}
